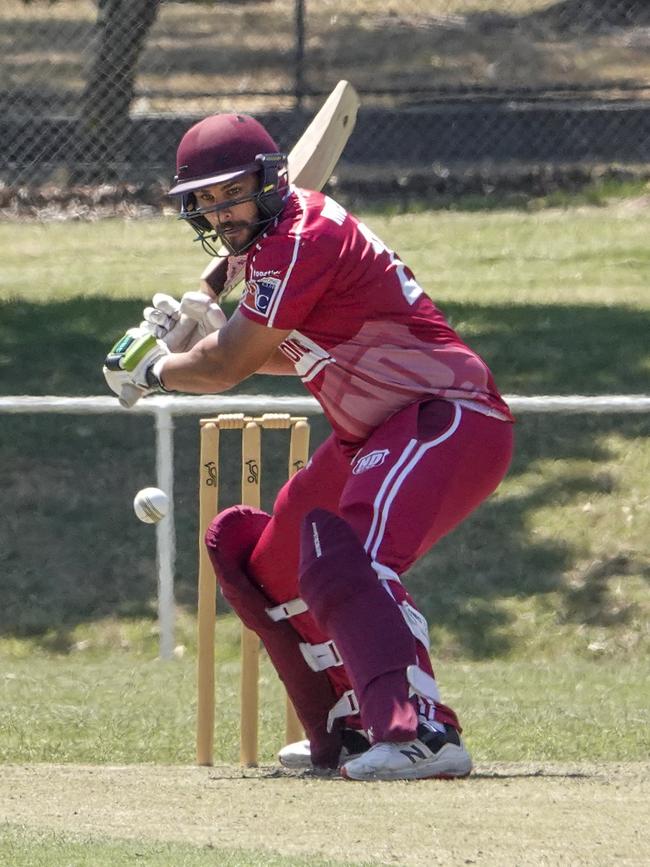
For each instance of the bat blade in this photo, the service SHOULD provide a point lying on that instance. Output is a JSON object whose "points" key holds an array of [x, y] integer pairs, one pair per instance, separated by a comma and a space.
{"points": [[311, 161], [317, 151]]}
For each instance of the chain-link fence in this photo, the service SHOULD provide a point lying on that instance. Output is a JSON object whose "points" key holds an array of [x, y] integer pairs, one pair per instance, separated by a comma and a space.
{"points": [[96, 92]]}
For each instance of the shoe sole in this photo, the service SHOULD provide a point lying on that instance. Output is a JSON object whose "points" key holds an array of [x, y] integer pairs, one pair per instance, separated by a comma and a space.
{"points": [[396, 777], [297, 765], [442, 767]]}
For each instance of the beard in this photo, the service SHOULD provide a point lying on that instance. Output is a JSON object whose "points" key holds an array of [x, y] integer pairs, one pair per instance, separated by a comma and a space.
{"points": [[235, 235]]}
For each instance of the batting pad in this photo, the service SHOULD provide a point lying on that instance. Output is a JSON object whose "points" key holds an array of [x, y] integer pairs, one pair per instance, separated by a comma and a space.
{"points": [[349, 604], [230, 539]]}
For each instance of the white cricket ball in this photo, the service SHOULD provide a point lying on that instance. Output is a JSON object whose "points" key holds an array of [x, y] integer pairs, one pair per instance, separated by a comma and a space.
{"points": [[150, 505]]}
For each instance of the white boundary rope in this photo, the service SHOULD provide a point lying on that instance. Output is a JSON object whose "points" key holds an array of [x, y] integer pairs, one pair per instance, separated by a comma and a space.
{"points": [[165, 407]]}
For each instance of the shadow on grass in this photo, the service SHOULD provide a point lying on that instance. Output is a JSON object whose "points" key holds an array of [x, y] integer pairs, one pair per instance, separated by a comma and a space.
{"points": [[532, 349], [587, 596], [71, 550], [495, 556]]}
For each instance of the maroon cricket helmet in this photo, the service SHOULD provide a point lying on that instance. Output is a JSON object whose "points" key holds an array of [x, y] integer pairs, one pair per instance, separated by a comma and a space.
{"points": [[221, 148], [218, 149]]}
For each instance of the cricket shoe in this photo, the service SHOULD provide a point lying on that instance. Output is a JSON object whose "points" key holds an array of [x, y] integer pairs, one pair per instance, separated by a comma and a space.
{"points": [[431, 754], [298, 755]]}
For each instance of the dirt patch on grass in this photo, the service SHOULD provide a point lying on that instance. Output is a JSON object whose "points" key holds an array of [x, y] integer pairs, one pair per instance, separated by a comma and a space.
{"points": [[506, 814]]}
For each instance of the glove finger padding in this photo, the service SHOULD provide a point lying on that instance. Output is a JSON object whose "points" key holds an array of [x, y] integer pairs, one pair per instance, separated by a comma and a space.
{"points": [[159, 318], [184, 335], [205, 311], [158, 332], [166, 304], [181, 324], [230, 540]]}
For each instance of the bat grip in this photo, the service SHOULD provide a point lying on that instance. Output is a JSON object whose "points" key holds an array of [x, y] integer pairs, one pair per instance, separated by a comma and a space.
{"points": [[129, 395]]}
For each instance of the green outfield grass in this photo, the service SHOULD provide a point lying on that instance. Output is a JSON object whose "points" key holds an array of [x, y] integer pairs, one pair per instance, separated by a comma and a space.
{"points": [[101, 704], [555, 564], [591, 256], [26, 847], [557, 301]]}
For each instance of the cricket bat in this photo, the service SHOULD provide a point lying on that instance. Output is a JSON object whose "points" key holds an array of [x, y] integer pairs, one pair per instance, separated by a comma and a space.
{"points": [[311, 162]]}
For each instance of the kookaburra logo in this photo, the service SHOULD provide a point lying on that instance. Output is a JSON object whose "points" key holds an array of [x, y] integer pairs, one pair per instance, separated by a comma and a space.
{"points": [[211, 467], [253, 472], [370, 461]]}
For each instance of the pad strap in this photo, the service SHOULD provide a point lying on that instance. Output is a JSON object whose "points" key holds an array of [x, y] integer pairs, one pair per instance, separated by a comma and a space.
{"points": [[321, 656], [422, 684], [347, 705], [287, 609], [416, 622]]}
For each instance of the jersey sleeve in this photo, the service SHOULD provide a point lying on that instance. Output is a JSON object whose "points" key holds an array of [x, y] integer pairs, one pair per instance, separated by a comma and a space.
{"points": [[285, 279]]}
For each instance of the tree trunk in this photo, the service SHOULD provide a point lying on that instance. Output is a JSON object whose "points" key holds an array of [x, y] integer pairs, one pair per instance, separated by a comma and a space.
{"points": [[120, 34]]}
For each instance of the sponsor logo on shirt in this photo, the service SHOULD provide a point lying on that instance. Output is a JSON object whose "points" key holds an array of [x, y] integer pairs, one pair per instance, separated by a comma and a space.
{"points": [[259, 293], [255, 275], [370, 461]]}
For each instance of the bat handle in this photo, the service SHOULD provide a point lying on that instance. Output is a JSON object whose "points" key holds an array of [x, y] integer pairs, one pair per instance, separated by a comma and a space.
{"points": [[129, 395]]}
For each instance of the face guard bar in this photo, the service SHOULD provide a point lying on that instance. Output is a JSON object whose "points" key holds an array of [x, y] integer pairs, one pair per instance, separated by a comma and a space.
{"points": [[270, 199]]}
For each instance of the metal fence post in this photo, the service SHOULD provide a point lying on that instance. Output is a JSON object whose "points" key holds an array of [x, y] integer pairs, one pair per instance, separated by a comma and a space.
{"points": [[299, 86]]}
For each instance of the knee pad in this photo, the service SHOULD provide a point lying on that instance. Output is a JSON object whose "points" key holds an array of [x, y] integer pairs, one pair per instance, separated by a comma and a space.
{"points": [[230, 539], [350, 605]]}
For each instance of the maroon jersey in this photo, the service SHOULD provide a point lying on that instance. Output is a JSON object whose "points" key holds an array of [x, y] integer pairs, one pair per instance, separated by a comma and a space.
{"points": [[365, 338]]}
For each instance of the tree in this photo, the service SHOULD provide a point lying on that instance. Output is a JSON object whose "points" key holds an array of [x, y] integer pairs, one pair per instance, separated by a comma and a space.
{"points": [[121, 31]]}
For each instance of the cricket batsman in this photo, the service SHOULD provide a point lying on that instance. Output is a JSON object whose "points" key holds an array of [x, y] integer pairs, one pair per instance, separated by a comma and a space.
{"points": [[420, 437]]}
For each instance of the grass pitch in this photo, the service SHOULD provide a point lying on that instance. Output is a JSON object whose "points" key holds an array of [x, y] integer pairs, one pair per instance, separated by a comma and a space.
{"points": [[510, 815]]}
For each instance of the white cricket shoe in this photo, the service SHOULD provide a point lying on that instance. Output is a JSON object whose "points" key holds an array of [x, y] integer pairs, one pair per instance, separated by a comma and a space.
{"points": [[298, 755], [431, 754]]}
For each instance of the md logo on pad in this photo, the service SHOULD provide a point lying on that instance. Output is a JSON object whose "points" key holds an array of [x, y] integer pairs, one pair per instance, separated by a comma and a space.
{"points": [[369, 461], [259, 294]]}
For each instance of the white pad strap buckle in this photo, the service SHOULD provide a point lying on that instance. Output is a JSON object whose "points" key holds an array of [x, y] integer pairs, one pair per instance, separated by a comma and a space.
{"points": [[417, 623], [347, 705], [321, 656], [422, 684], [287, 609]]}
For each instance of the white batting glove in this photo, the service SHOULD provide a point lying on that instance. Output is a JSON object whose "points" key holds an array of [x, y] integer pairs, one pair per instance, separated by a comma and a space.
{"points": [[131, 368], [181, 324]]}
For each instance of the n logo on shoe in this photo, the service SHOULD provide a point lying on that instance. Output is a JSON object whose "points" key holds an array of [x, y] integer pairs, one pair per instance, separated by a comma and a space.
{"points": [[413, 753]]}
